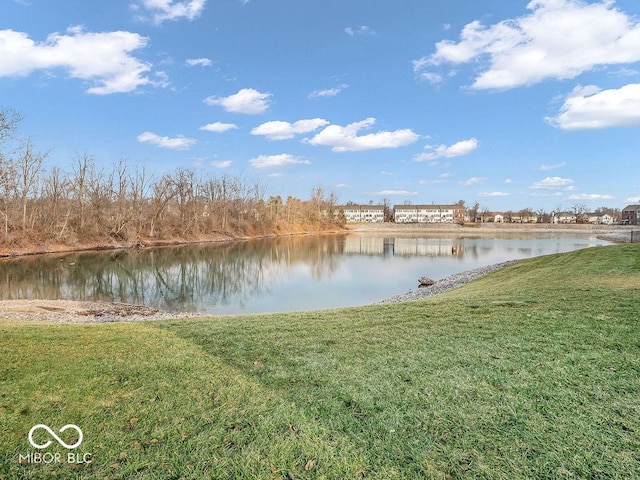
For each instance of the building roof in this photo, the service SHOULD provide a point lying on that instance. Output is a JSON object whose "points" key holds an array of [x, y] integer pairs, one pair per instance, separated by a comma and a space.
{"points": [[361, 207], [631, 207], [427, 207]]}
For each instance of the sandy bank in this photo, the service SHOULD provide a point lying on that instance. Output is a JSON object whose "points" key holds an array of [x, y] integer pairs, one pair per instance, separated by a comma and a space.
{"points": [[70, 311]]}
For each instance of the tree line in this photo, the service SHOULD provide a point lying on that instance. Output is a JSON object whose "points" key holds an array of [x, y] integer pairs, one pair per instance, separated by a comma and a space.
{"points": [[91, 204]]}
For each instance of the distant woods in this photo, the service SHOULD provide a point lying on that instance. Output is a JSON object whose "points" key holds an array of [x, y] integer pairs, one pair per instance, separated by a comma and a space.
{"points": [[91, 204]]}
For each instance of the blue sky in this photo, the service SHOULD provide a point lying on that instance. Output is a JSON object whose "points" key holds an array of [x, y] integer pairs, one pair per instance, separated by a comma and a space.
{"points": [[512, 104]]}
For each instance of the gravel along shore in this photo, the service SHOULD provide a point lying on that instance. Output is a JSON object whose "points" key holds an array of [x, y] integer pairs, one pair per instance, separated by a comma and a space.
{"points": [[69, 311], [447, 283]]}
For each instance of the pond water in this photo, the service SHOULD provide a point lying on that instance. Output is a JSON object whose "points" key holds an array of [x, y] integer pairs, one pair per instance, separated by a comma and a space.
{"points": [[270, 275]]}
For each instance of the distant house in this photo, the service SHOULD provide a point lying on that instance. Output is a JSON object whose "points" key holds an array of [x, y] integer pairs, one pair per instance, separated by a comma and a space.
{"points": [[631, 215], [524, 218], [363, 213], [428, 213], [490, 217], [600, 218], [563, 217]]}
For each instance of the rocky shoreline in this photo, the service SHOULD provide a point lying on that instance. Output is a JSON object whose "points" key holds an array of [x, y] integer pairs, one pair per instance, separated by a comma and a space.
{"points": [[447, 283], [70, 311], [458, 279]]}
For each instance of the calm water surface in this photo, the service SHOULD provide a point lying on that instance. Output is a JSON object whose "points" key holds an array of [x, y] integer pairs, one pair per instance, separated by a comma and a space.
{"points": [[273, 275]]}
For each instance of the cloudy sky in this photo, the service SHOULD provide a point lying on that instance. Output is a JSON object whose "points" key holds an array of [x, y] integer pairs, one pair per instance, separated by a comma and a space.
{"points": [[509, 103]]}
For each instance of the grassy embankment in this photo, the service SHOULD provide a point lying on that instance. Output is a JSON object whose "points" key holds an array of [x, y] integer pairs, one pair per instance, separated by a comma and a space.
{"points": [[530, 372]]}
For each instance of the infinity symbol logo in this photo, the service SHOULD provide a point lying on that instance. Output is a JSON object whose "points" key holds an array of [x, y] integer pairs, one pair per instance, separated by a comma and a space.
{"points": [[52, 433]]}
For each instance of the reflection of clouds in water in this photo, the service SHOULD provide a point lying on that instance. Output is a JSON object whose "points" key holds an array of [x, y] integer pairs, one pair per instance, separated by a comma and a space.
{"points": [[286, 273]]}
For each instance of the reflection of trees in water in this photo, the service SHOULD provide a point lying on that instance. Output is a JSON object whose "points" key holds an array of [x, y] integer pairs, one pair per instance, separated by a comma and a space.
{"points": [[171, 278]]}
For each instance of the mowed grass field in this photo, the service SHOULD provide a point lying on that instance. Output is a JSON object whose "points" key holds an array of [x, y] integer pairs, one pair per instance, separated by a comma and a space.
{"points": [[530, 372]]}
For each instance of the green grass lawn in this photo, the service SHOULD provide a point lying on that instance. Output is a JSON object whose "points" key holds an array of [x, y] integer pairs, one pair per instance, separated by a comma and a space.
{"points": [[530, 372]]}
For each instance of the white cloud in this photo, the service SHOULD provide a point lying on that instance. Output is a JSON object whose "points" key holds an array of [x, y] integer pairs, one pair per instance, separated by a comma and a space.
{"points": [[247, 100], [103, 59], [330, 92], [508, 180], [552, 183], [472, 181], [546, 168], [431, 77], [493, 194], [360, 30], [393, 193], [346, 139], [546, 194], [442, 178], [218, 127], [633, 200], [464, 147], [202, 62], [590, 196], [162, 10], [221, 163], [278, 130], [557, 39], [178, 143], [271, 161], [589, 107], [432, 182]]}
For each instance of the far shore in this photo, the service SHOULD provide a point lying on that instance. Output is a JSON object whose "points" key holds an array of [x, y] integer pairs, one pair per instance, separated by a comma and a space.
{"points": [[48, 248], [490, 228], [613, 233]]}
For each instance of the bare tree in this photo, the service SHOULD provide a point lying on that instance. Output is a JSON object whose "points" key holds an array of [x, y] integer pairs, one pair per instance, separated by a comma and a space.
{"points": [[163, 192], [119, 183], [8, 176], [79, 181], [9, 119], [388, 211], [55, 188], [139, 184], [275, 206], [579, 210], [29, 167], [473, 212], [484, 214]]}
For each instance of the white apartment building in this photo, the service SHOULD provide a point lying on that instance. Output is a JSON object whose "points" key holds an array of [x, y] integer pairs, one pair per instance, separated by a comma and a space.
{"points": [[363, 213], [428, 213]]}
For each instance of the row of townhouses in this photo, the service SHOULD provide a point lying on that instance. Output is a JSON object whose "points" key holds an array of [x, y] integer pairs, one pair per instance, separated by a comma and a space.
{"points": [[554, 217], [404, 213], [458, 214], [428, 213], [363, 213]]}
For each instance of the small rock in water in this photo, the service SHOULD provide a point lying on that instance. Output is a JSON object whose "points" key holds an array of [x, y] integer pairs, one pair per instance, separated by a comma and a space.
{"points": [[425, 282]]}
